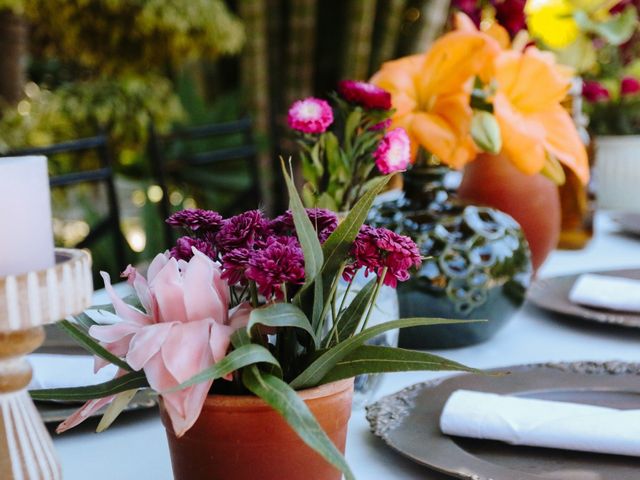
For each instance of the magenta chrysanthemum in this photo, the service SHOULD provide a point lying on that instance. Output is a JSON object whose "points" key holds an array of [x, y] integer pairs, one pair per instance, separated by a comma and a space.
{"points": [[234, 264], [629, 86], [394, 152], [196, 220], [593, 91], [383, 125], [241, 231], [280, 262], [365, 94], [183, 248], [378, 248], [324, 221], [311, 115]]}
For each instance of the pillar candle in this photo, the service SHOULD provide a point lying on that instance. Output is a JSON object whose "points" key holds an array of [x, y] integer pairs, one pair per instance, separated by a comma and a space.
{"points": [[26, 235]]}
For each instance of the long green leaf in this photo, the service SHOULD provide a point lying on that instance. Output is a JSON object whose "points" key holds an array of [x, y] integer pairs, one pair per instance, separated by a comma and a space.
{"points": [[115, 408], [377, 359], [281, 315], [282, 398], [348, 321], [129, 381], [90, 344], [307, 235], [320, 367], [243, 356], [337, 246]]}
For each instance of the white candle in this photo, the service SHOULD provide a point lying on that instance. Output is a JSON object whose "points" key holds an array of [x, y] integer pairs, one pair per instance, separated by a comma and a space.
{"points": [[26, 235]]}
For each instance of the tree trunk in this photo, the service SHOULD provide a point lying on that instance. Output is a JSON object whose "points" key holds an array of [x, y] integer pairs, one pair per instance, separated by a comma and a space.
{"points": [[13, 45]]}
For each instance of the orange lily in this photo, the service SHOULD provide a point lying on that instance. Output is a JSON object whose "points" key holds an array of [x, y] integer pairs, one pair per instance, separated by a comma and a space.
{"points": [[431, 93], [533, 124]]}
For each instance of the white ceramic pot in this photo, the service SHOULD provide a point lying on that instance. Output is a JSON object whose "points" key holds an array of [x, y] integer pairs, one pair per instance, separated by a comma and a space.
{"points": [[617, 172]]}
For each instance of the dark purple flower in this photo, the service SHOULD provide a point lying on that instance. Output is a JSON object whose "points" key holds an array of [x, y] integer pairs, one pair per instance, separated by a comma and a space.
{"points": [[593, 91], [183, 248], [378, 248], [324, 221], [280, 262], [366, 94], [196, 220], [471, 8], [241, 231], [234, 264], [383, 125], [510, 14], [629, 86]]}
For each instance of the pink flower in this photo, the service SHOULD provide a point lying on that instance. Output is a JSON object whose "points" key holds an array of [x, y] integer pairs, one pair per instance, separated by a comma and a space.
{"points": [[366, 94], [183, 249], [394, 152], [593, 91], [185, 327], [195, 220], [629, 86], [311, 115], [383, 125]]}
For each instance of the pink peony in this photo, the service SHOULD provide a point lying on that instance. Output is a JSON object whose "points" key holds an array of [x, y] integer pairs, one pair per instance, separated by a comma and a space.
{"points": [[366, 94], [185, 327], [394, 152], [593, 91], [311, 115], [629, 86]]}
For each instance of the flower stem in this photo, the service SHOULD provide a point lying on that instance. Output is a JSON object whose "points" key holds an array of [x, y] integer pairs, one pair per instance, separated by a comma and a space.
{"points": [[374, 298], [329, 301], [253, 289]]}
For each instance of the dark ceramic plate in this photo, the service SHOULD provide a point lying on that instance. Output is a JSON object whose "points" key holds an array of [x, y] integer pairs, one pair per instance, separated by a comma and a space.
{"points": [[552, 294], [628, 222], [408, 422]]}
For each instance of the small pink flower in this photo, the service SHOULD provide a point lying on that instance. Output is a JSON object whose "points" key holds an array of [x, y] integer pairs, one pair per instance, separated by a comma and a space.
{"points": [[311, 115], [593, 91], [366, 94], [394, 152], [383, 125], [185, 326], [629, 86]]}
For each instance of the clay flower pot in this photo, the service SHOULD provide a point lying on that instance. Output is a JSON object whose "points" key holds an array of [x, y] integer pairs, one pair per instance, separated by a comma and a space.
{"points": [[242, 438], [532, 200]]}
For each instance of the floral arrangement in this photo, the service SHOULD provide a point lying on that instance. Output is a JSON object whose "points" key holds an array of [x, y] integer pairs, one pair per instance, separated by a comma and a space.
{"points": [[249, 305], [473, 91], [345, 147]]}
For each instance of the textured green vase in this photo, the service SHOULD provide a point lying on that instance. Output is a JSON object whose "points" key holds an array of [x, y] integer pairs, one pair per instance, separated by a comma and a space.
{"points": [[477, 263]]}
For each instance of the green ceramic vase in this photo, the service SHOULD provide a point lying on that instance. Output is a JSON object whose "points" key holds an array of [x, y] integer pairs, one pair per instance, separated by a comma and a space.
{"points": [[477, 265]]}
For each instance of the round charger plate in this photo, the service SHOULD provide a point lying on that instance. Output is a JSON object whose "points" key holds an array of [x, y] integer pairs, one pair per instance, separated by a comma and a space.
{"points": [[552, 294], [408, 421]]}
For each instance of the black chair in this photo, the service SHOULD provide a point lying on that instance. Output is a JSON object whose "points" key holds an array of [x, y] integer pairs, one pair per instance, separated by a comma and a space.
{"points": [[204, 158], [103, 174]]}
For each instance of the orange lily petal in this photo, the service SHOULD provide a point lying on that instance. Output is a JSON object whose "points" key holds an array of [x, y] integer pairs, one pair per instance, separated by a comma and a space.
{"points": [[499, 34], [398, 78], [438, 137], [563, 141]]}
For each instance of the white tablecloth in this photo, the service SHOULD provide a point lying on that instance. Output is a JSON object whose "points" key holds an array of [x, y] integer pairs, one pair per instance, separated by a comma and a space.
{"points": [[135, 447]]}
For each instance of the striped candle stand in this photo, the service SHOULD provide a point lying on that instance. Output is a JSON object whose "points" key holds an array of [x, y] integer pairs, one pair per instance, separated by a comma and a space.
{"points": [[27, 302]]}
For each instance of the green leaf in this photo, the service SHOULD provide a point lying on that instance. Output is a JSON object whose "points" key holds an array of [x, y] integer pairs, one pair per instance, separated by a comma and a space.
{"points": [[281, 315], [115, 408], [320, 367], [91, 345], [349, 319], [617, 30], [336, 247], [313, 256], [353, 120], [248, 354], [130, 381], [377, 359], [283, 399], [552, 169], [486, 132]]}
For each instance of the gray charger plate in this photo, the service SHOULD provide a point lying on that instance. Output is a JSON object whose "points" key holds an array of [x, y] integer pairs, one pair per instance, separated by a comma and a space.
{"points": [[408, 421], [552, 294]]}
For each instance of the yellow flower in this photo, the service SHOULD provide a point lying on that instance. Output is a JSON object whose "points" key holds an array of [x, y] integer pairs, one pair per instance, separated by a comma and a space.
{"points": [[552, 22]]}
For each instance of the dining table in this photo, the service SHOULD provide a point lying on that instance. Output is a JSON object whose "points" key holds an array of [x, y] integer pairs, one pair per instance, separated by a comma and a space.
{"points": [[135, 446]]}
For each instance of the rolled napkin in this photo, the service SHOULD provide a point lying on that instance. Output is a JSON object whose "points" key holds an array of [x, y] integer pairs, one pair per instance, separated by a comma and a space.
{"points": [[59, 371], [542, 423], [605, 291]]}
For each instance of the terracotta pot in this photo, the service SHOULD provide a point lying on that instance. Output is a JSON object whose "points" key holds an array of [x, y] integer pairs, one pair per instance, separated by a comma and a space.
{"points": [[242, 438], [532, 200]]}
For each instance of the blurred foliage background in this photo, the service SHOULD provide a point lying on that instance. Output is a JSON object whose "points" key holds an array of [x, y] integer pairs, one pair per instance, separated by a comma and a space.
{"points": [[75, 68]]}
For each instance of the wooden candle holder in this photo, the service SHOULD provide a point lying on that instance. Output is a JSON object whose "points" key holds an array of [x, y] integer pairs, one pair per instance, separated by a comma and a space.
{"points": [[27, 302]]}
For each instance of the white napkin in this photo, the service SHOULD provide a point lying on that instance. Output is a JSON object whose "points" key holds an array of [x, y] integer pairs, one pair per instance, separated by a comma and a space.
{"points": [[542, 423], [604, 291], [59, 371]]}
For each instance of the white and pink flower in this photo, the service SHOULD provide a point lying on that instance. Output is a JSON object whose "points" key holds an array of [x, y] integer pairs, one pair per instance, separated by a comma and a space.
{"points": [[310, 115], [185, 327], [394, 152]]}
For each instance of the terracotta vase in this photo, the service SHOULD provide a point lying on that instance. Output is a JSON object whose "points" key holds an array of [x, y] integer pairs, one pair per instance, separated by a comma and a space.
{"points": [[242, 438], [532, 200]]}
